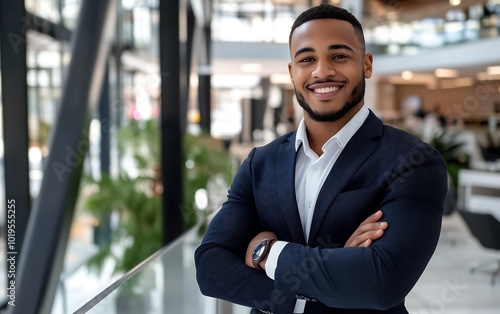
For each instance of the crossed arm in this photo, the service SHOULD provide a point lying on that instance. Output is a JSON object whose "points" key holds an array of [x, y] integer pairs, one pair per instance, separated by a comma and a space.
{"points": [[368, 231]]}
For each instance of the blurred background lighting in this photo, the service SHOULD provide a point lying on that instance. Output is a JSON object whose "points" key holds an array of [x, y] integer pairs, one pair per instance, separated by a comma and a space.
{"points": [[251, 67], [446, 73], [407, 75], [493, 70]]}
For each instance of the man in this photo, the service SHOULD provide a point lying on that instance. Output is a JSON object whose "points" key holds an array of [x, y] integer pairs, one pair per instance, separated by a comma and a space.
{"points": [[283, 240]]}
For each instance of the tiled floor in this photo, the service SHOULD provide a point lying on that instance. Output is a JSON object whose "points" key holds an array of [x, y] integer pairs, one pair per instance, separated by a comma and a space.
{"points": [[447, 285]]}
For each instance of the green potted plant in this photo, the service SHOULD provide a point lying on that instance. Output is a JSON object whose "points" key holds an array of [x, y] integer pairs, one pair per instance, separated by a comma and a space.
{"points": [[450, 148], [136, 197]]}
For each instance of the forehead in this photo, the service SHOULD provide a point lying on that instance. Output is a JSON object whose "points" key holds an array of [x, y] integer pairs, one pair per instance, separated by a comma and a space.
{"points": [[323, 33]]}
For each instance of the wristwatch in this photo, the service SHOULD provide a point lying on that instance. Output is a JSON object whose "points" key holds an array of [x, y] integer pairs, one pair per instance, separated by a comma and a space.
{"points": [[260, 251]]}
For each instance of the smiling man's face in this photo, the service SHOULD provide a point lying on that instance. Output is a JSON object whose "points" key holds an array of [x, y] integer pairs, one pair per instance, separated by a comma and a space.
{"points": [[328, 68]]}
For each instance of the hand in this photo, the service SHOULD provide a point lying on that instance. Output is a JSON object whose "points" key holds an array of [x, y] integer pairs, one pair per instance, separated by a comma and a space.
{"points": [[368, 231], [256, 240]]}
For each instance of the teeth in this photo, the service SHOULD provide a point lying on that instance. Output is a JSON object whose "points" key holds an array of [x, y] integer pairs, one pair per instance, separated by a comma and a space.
{"points": [[326, 90]]}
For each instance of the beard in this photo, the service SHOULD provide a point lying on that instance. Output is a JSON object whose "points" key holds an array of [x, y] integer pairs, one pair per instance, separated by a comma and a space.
{"points": [[356, 97]]}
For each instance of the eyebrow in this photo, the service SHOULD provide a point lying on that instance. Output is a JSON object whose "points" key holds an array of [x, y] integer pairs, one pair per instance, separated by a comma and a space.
{"points": [[331, 47]]}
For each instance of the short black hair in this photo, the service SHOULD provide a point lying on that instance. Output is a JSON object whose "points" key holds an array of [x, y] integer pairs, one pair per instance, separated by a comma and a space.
{"points": [[328, 11]]}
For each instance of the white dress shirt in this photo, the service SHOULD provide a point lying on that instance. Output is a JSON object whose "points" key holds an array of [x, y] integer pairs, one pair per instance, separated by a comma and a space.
{"points": [[311, 171]]}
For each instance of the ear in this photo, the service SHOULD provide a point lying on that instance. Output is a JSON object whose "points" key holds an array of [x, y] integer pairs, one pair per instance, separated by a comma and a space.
{"points": [[290, 71], [368, 65]]}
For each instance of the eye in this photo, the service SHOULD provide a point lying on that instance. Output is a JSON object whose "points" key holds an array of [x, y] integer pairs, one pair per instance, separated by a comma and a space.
{"points": [[338, 57], [307, 59]]}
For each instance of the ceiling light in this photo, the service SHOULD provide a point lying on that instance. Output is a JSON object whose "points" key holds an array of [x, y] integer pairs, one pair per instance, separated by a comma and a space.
{"points": [[407, 75], [455, 2], [235, 81], [446, 73], [495, 70], [251, 67], [416, 79]]}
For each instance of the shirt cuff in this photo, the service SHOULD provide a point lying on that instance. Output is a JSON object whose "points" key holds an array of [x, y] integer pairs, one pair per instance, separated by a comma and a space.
{"points": [[272, 258], [300, 306]]}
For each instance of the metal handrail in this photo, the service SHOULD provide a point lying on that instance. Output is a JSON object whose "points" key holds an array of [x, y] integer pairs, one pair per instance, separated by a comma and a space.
{"points": [[138, 269]]}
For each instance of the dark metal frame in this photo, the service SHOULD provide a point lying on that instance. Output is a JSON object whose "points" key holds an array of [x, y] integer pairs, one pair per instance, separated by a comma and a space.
{"points": [[48, 228], [173, 78], [205, 75], [15, 130]]}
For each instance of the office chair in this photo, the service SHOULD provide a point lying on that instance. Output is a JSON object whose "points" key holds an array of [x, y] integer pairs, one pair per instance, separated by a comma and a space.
{"points": [[486, 229]]}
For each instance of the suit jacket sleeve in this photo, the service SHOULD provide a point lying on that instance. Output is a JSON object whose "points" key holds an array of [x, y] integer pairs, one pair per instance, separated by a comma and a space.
{"points": [[220, 259]]}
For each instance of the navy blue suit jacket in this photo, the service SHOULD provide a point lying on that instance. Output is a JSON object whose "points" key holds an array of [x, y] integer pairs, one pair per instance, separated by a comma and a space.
{"points": [[380, 168]]}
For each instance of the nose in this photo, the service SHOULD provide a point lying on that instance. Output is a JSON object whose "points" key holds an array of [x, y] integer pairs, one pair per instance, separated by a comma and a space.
{"points": [[324, 68]]}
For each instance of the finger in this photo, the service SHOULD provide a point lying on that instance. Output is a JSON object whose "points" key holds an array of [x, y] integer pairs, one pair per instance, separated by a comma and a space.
{"points": [[362, 233], [372, 236], [367, 243], [361, 239], [373, 218], [382, 225], [370, 227]]}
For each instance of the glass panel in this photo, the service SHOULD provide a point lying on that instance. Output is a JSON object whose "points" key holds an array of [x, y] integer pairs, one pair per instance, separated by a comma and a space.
{"points": [[165, 283], [69, 11], [46, 65], [47, 9]]}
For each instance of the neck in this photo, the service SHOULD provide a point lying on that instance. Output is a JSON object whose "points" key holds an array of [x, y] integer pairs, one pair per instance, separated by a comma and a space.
{"points": [[318, 133]]}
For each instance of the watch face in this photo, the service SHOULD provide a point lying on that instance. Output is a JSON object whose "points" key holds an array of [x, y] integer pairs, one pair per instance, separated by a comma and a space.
{"points": [[259, 249]]}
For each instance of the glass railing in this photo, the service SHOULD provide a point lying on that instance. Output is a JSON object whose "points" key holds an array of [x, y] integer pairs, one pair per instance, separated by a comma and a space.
{"points": [[163, 283]]}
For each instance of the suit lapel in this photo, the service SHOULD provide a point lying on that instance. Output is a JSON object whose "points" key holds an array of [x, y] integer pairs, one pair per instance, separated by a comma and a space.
{"points": [[286, 189], [359, 148]]}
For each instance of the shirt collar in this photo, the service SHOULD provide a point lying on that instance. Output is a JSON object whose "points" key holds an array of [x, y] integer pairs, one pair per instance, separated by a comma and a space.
{"points": [[343, 136]]}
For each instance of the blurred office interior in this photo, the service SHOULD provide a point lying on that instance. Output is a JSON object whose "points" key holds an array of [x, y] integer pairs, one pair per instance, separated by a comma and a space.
{"points": [[123, 122]]}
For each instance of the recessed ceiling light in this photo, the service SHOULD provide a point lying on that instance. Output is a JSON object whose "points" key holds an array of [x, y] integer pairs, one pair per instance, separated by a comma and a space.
{"points": [[455, 2], [446, 73], [407, 75], [494, 70]]}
